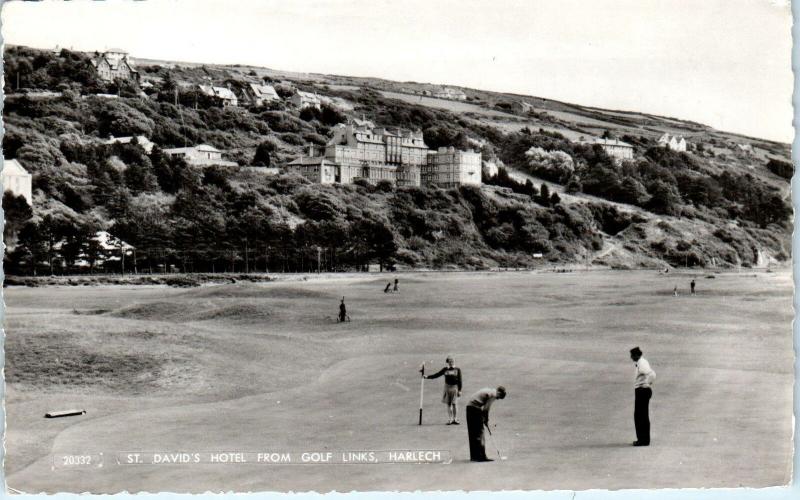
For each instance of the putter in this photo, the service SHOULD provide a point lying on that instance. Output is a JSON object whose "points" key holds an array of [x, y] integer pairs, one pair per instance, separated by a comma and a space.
{"points": [[494, 443]]}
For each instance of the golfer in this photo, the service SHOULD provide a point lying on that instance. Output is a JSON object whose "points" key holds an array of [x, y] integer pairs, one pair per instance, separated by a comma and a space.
{"points": [[692, 285], [396, 281], [478, 416], [342, 311], [388, 287], [643, 391], [452, 389]]}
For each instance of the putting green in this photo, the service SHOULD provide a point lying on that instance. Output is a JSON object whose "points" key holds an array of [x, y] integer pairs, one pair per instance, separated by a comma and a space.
{"points": [[265, 368]]}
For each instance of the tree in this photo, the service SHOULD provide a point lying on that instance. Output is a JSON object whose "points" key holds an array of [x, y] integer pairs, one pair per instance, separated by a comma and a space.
{"points": [[262, 156], [665, 199], [544, 195], [30, 247], [556, 166], [17, 212]]}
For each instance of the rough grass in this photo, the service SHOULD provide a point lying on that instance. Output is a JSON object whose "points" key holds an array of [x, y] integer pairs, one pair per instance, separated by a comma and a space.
{"points": [[45, 363]]}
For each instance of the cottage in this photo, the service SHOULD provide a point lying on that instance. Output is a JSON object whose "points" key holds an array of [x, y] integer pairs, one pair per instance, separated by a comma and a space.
{"points": [[202, 155], [261, 94], [672, 142], [306, 100], [15, 179], [223, 95], [143, 141], [113, 64]]}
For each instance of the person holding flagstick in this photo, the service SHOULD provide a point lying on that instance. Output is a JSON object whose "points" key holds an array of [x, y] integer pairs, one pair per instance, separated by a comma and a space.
{"points": [[452, 388]]}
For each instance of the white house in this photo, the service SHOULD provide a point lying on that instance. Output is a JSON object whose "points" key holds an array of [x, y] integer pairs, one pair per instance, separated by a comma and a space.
{"points": [[17, 180], [224, 95], [305, 100], [262, 94], [450, 167], [201, 155], [672, 142], [114, 63]]}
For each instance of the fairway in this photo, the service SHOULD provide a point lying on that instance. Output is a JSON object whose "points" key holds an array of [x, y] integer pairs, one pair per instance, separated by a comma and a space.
{"points": [[265, 367]]}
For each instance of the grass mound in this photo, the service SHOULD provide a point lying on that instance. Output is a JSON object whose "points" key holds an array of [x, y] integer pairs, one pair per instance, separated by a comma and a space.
{"points": [[237, 312], [156, 311], [53, 363]]}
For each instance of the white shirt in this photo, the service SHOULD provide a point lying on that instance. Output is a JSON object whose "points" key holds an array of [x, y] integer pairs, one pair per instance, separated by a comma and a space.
{"points": [[645, 376]]}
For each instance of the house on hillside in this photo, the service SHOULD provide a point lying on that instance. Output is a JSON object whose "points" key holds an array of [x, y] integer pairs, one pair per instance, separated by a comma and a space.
{"points": [[672, 142], [262, 94], [114, 63], [451, 168], [305, 100], [143, 141], [223, 95], [613, 147], [450, 93], [202, 155], [17, 180], [319, 170], [359, 150]]}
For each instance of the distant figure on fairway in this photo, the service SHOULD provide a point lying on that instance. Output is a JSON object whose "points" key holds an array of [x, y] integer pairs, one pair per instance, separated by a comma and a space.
{"points": [[675, 291], [477, 417], [643, 391], [388, 287], [692, 285], [452, 389], [396, 281], [342, 311]]}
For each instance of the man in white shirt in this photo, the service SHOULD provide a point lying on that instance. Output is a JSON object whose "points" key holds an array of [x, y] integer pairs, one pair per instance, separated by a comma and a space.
{"points": [[645, 376]]}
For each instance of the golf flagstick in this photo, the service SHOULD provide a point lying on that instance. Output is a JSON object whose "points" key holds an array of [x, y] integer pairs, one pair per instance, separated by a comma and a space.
{"points": [[421, 390]]}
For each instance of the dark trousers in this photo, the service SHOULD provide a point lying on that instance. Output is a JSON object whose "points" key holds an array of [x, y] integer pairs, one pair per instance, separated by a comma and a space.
{"points": [[475, 431], [641, 414]]}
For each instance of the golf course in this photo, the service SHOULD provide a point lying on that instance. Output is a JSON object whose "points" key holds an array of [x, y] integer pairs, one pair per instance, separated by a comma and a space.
{"points": [[265, 367]]}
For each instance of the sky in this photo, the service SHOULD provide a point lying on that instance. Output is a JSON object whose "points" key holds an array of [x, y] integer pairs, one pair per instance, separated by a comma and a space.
{"points": [[724, 63]]}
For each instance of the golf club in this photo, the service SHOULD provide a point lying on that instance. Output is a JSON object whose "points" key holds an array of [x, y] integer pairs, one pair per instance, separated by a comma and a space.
{"points": [[494, 444]]}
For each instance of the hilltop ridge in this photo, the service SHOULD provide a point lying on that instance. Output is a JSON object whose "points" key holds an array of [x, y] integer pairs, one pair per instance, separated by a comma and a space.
{"points": [[548, 195]]}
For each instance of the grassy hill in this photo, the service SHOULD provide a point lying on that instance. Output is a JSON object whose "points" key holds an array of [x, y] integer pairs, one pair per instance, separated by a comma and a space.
{"points": [[725, 202]]}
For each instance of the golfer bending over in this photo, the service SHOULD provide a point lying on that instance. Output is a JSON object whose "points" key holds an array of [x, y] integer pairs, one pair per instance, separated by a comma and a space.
{"points": [[452, 389], [477, 417]]}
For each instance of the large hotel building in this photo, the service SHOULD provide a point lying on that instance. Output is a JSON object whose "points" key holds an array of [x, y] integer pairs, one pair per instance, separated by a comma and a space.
{"points": [[362, 151]]}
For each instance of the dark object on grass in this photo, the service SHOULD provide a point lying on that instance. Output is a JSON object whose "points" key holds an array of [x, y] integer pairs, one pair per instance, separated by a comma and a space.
{"points": [[64, 413]]}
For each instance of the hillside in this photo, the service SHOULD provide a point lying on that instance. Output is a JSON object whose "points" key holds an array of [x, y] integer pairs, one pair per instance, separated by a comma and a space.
{"points": [[722, 203]]}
